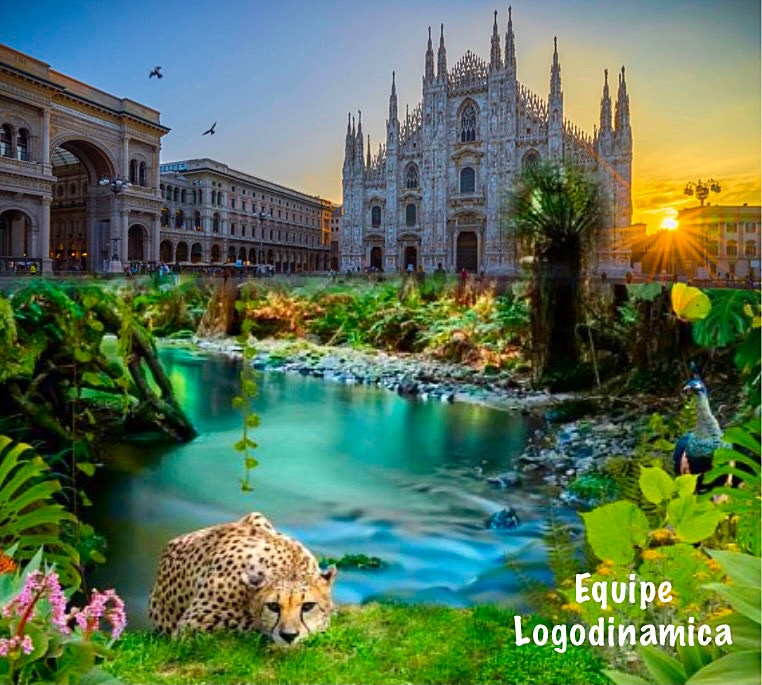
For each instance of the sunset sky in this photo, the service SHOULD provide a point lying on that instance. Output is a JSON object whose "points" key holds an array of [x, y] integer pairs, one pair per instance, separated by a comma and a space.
{"points": [[280, 77]]}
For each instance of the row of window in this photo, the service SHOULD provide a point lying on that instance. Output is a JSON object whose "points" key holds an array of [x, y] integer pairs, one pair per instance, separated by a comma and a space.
{"points": [[731, 248], [732, 227], [21, 138], [179, 222], [138, 173]]}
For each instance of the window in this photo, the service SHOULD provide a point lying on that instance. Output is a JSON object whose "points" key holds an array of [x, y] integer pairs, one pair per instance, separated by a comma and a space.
{"points": [[5, 141], [468, 124], [410, 215], [243, 206], [216, 223], [531, 159], [165, 217], [197, 220], [232, 229], [177, 195], [232, 203], [730, 227], [169, 194], [750, 249], [714, 248], [183, 196], [142, 176], [375, 217], [243, 231], [179, 218], [467, 180], [22, 145], [731, 249], [133, 171], [751, 227], [411, 177]]}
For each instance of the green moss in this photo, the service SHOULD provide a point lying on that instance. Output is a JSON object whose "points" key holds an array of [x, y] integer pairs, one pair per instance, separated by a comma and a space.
{"points": [[376, 643]]}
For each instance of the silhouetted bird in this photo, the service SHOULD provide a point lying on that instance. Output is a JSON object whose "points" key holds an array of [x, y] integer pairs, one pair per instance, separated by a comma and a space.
{"points": [[693, 451], [210, 129], [156, 72]]}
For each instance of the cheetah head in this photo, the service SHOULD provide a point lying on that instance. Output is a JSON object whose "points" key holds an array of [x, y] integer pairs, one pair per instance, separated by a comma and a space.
{"points": [[289, 608]]}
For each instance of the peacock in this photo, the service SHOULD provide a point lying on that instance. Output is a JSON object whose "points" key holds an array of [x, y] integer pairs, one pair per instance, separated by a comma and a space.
{"points": [[694, 450]]}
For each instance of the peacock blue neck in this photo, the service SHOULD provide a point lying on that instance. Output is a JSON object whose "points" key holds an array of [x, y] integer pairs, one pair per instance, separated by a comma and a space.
{"points": [[706, 425]]}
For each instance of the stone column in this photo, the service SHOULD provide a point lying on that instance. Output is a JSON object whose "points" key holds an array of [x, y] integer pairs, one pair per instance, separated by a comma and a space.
{"points": [[45, 151], [126, 157], [157, 175], [125, 228], [44, 241], [156, 238]]}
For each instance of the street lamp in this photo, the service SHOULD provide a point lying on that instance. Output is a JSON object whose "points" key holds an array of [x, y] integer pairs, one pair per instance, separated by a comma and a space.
{"points": [[702, 189], [118, 186]]}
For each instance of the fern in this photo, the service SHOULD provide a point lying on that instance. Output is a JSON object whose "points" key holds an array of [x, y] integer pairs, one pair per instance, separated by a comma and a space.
{"points": [[29, 516]]}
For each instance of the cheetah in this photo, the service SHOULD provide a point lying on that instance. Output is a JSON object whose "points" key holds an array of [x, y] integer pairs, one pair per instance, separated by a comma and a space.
{"points": [[241, 576]]}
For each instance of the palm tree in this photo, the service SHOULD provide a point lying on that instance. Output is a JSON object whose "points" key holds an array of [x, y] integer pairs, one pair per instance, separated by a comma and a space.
{"points": [[555, 213]]}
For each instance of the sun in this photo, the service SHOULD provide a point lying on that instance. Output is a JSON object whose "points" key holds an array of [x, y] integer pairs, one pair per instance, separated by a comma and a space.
{"points": [[669, 223]]}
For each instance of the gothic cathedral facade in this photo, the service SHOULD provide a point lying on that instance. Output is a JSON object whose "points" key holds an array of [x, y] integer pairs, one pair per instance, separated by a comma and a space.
{"points": [[435, 192]]}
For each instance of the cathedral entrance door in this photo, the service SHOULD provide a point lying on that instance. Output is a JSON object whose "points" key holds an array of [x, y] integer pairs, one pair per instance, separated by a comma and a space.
{"points": [[467, 256], [411, 257], [375, 258]]}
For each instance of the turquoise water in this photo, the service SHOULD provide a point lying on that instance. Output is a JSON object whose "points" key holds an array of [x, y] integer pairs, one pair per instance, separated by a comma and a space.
{"points": [[345, 469]]}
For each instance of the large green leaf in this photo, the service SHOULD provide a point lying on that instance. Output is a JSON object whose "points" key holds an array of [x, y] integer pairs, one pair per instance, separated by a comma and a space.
{"points": [[726, 321], [745, 600], [656, 484], [663, 668], [745, 632], [692, 519], [739, 668], [622, 678], [742, 569], [615, 530]]}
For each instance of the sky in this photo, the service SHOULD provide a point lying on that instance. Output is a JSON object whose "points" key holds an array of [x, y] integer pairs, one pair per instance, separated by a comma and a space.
{"points": [[280, 76]]}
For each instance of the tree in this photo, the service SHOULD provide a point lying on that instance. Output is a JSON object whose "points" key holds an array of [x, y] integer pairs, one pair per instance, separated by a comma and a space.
{"points": [[555, 212]]}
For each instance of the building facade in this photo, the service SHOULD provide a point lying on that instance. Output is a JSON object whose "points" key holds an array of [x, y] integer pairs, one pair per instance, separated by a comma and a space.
{"points": [[58, 138], [435, 191], [724, 239], [336, 238], [212, 214]]}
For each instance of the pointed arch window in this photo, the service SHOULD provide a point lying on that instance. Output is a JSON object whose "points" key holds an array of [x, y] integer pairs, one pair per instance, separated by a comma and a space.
{"points": [[5, 140], [468, 124], [22, 145], [410, 214], [133, 172], [142, 174], [468, 180], [375, 217], [411, 177]]}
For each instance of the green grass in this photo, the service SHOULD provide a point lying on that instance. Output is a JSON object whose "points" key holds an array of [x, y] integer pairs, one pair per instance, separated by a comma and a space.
{"points": [[376, 643]]}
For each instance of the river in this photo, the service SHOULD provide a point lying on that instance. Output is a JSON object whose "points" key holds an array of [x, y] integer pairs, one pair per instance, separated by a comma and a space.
{"points": [[343, 468]]}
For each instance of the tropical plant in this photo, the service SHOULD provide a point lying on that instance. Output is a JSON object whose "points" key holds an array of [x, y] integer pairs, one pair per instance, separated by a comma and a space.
{"points": [[46, 643], [556, 211], [242, 402], [707, 665], [29, 515]]}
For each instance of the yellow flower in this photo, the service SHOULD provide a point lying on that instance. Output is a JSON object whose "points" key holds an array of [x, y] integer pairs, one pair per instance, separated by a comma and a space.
{"points": [[713, 565], [603, 570], [692, 608], [652, 555], [572, 606], [662, 535], [722, 611]]}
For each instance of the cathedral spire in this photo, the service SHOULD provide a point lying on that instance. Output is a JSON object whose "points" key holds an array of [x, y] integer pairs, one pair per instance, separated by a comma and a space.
{"points": [[555, 72], [442, 58], [359, 156], [605, 105], [496, 61], [555, 107], [429, 75], [622, 106], [368, 162], [349, 145], [393, 101], [510, 47]]}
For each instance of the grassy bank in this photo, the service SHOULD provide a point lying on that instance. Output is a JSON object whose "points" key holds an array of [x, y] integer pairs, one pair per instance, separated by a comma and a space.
{"points": [[370, 644]]}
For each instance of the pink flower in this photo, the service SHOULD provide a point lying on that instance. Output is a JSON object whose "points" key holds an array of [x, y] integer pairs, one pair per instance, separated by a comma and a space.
{"points": [[11, 645], [88, 619], [57, 603]]}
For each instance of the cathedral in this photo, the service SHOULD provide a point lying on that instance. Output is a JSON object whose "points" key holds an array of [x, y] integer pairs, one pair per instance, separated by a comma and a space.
{"points": [[436, 191]]}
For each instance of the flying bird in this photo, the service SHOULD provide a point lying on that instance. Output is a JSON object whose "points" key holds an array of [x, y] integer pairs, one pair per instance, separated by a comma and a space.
{"points": [[156, 72], [210, 129]]}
